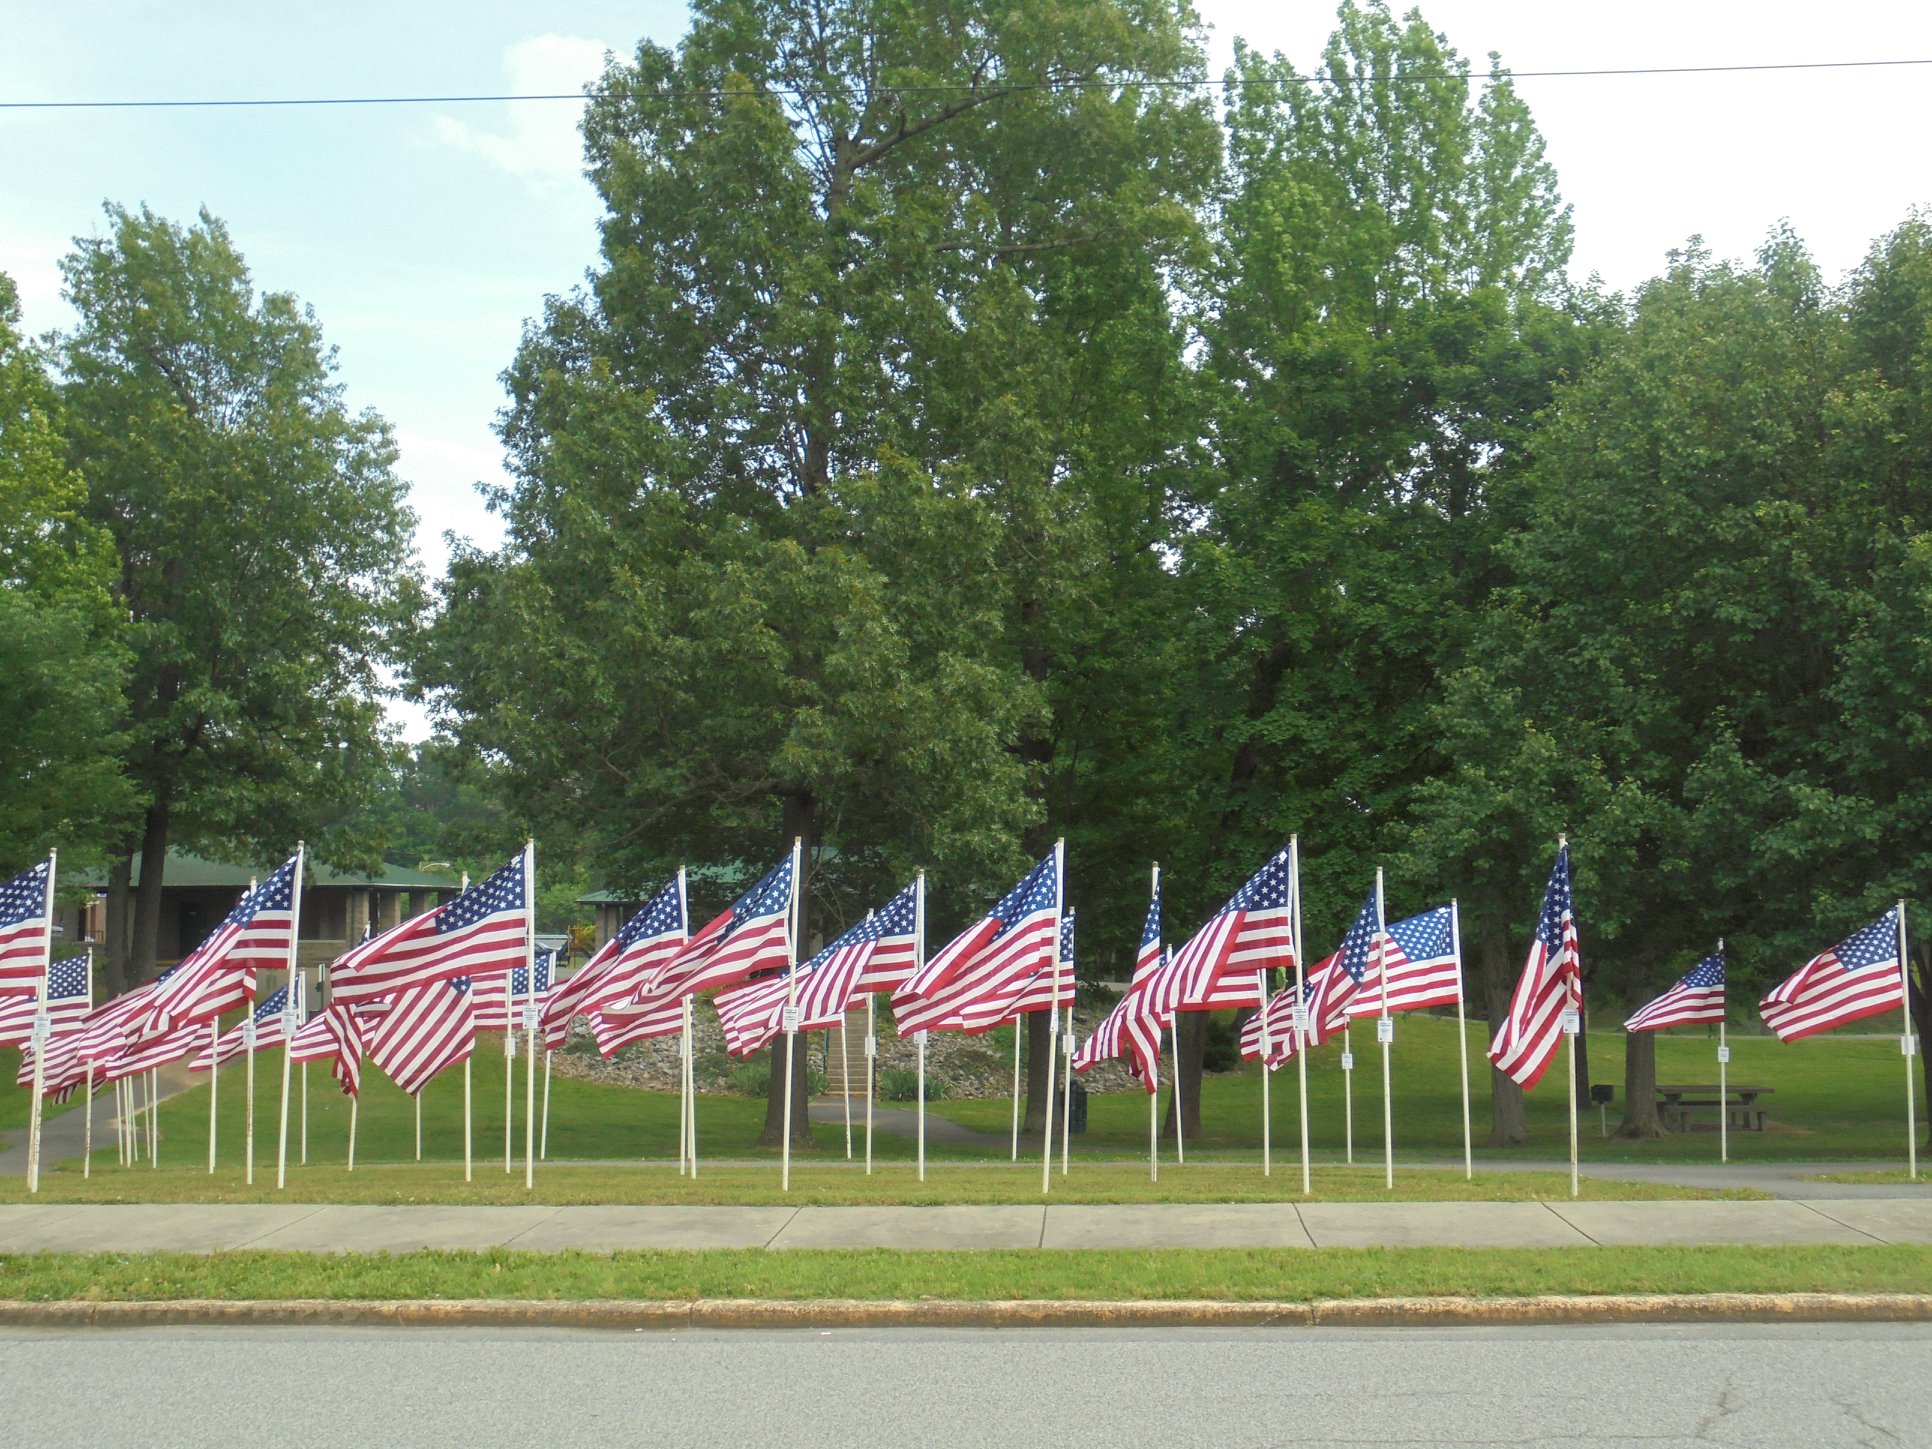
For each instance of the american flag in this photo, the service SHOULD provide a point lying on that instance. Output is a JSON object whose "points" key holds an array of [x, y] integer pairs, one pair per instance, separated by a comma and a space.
{"points": [[483, 932], [1418, 966], [103, 1033], [499, 1000], [1007, 945], [1046, 990], [233, 1042], [877, 954], [1858, 977], [753, 936], [148, 1053], [648, 1017], [1147, 959], [333, 1036], [219, 975], [23, 930], [70, 988], [1697, 1000], [1133, 1027], [1332, 986], [1219, 967], [426, 1030], [750, 1013], [648, 939], [1552, 983]]}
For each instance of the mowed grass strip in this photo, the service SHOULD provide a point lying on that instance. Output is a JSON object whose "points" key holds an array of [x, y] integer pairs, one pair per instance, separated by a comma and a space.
{"points": [[818, 1185], [1228, 1275]]}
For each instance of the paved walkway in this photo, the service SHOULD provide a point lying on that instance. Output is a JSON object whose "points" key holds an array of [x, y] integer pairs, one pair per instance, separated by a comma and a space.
{"points": [[308, 1227]]}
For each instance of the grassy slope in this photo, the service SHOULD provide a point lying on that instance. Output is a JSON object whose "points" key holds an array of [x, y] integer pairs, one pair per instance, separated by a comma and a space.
{"points": [[1225, 1274]]}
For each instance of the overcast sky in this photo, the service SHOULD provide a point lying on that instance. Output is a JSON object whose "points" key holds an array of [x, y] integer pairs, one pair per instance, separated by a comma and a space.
{"points": [[425, 236]]}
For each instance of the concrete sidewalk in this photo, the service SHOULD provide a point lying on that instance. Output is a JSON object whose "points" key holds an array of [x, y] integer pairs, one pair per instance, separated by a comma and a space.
{"points": [[366, 1229]]}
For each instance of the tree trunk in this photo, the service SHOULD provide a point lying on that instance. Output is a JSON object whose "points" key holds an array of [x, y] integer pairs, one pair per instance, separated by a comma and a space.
{"points": [[1919, 1002], [1508, 1127], [797, 825], [1582, 1056], [1640, 1117], [1038, 1050], [114, 970], [146, 933], [1191, 1038]]}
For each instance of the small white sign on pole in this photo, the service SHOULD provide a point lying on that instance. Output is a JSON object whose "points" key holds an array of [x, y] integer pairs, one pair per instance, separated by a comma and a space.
{"points": [[872, 1046], [1066, 1045], [43, 1030], [1384, 1029], [789, 1017], [1301, 1021], [1723, 1056], [532, 1016], [509, 1046], [1908, 1045], [1572, 1021], [1348, 1061], [920, 1038], [249, 1033]]}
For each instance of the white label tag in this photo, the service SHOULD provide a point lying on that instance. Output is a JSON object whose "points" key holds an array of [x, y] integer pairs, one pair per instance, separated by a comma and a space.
{"points": [[1348, 1061], [1384, 1029], [532, 1015], [289, 1024], [921, 1037], [1723, 1056], [872, 1046], [43, 1030], [789, 1017], [509, 1043], [1572, 1021], [1066, 1044], [248, 1033], [1909, 1045], [1301, 1021]]}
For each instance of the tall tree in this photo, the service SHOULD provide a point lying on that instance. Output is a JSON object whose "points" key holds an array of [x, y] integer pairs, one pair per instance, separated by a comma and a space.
{"points": [[808, 479], [61, 782], [262, 551]]}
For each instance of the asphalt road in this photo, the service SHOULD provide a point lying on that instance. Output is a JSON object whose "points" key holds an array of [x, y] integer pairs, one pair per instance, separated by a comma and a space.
{"points": [[1810, 1386]]}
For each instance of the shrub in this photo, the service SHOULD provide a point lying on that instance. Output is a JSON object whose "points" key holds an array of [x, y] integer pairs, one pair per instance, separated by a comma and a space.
{"points": [[901, 1084]]}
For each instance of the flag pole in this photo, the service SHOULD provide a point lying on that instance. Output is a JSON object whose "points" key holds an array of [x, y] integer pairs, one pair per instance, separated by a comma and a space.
{"points": [[789, 1017], [469, 1167], [871, 1055], [417, 1097], [1066, 1103], [1907, 1044], [684, 1062], [1384, 1033], [1180, 1134], [543, 1134], [354, 1103], [87, 1127], [1462, 1039], [305, 1114], [1723, 1077], [1154, 1134], [919, 1037], [214, 1081], [1053, 1021], [1016, 1088], [249, 1030], [1572, 1024], [154, 1117], [1348, 1097], [530, 1014], [1267, 1084], [845, 1086], [1300, 1013], [42, 1029], [291, 1009]]}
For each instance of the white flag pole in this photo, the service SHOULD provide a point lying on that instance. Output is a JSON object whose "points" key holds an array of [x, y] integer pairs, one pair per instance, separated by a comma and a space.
{"points": [[790, 1017], [1384, 1032], [1267, 1079], [154, 1117], [87, 1127], [42, 1031], [691, 1086], [469, 1166], [543, 1135], [1572, 1023], [305, 1114], [1348, 1097], [1154, 1134], [1462, 1039], [1300, 1015], [1053, 1021], [684, 1089], [1180, 1134], [871, 1056], [1066, 1101], [291, 1013], [919, 1037], [1908, 1045], [120, 1121], [1017, 1027], [417, 1098], [530, 1015], [845, 1085], [1723, 1077], [214, 1081], [249, 1030], [354, 1103]]}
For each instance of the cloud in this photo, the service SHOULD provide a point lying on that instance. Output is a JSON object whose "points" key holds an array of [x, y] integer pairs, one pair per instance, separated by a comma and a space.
{"points": [[538, 142]]}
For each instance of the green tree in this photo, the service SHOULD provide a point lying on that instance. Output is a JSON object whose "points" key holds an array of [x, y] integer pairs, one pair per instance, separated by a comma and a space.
{"points": [[61, 783], [812, 479], [261, 546]]}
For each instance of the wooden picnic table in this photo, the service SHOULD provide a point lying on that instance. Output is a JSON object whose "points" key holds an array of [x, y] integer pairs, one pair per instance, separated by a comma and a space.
{"points": [[1738, 1101]]}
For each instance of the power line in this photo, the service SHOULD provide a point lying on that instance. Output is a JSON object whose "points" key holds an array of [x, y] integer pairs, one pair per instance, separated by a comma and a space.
{"points": [[1407, 78]]}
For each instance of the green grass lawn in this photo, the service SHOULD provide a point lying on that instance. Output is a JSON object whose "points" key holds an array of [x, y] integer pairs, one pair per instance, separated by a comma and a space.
{"points": [[1232, 1275], [1833, 1097]]}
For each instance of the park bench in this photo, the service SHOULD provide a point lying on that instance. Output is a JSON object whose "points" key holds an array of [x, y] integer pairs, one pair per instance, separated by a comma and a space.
{"points": [[1676, 1103]]}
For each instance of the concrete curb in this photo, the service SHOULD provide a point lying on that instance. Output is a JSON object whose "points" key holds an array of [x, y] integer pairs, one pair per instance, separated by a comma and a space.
{"points": [[720, 1313]]}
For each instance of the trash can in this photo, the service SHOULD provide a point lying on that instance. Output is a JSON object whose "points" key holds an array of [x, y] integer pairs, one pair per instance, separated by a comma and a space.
{"points": [[1077, 1108]]}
